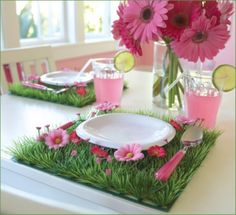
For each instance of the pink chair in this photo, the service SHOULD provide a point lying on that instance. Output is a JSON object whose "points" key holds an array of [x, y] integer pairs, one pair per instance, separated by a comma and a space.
{"points": [[18, 64]]}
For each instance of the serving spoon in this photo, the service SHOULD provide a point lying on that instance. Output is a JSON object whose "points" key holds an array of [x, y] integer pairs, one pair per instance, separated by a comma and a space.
{"points": [[190, 138]]}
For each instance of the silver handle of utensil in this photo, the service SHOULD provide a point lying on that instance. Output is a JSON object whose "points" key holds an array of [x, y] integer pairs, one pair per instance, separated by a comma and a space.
{"points": [[168, 168]]}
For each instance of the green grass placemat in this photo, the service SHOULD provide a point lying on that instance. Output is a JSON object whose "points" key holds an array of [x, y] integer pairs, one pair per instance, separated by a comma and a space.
{"points": [[69, 97], [132, 180]]}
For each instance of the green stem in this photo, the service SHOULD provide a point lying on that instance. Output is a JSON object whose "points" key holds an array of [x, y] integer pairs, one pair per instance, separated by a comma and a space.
{"points": [[170, 78], [178, 96]]}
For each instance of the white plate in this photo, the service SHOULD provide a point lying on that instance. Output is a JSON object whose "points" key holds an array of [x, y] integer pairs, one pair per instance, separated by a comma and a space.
{"points": [[117, 129], [65, 78]]}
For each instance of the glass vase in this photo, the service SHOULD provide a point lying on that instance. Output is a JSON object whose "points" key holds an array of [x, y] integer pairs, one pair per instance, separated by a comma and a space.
{"points": [[166, 69]]}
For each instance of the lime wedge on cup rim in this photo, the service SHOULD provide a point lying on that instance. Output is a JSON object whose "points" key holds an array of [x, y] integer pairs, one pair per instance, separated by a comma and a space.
{"points": [[124, 61], [223, 77]]}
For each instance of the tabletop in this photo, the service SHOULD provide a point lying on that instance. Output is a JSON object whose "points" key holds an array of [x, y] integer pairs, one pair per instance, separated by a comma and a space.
{"points": [[211, 190]]}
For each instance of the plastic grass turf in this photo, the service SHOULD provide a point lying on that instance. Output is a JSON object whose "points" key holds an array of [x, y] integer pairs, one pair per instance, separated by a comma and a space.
{"points": [[69, 97], [131, 180]]}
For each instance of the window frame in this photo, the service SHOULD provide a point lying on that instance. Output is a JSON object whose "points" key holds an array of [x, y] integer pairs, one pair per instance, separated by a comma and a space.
{"points": [[69, 47]]}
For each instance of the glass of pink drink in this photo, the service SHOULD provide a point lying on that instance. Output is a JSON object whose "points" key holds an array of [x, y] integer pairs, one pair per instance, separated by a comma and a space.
{"points": [[108, 82], [202, 99]]}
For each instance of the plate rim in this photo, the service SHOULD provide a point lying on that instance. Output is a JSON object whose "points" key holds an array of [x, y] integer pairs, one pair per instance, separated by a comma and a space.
{"points": [[96, 140], [44, 76]]}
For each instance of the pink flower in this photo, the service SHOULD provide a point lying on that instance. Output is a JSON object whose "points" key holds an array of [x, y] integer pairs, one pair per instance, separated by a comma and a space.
{"points": [[181, 119], [33, 78], [57, 138], [41, 138], [105, 106], [129, 152], [81, 91], [73, 153], [80, 84], [144, 18], [176, 125], [156, 151], [120, 31], [226, 9], [108, 171], [181, 17], [109, 159], [74, 138], [203, 40], [98, 160], [96, 150], [211, 9]]}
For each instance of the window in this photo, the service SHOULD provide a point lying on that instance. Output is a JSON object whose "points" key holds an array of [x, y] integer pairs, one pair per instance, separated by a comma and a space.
{"points": [[41, 21], [103, 13], [56, 22]]}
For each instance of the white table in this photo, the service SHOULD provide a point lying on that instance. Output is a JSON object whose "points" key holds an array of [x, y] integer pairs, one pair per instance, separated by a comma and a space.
{"points": [[212, 189]]}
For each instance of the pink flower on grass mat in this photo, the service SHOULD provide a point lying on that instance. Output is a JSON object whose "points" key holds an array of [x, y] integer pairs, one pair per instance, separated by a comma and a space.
{"points": [[156, 151], [129, 152], [181, 119], [105, 106], [73, 153], [74, 138], [57, 138]]}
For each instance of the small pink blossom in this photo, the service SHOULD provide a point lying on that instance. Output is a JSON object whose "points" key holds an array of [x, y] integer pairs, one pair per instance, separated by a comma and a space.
{"points": [[57, 138], [33, 78], [74, 138], [109, 159], [98, 160], [181, 119], [80, 84], [108, 171], [73, 153], [129, 152], [105, 106], [41, 138]]}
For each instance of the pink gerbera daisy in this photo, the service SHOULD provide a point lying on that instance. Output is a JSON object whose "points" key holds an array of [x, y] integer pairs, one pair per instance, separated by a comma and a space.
{"points": [[129, 152], [57, 138], [203, 40], [120, 31], [181, 17], [226, 9], [211, 9], [145, 17]]}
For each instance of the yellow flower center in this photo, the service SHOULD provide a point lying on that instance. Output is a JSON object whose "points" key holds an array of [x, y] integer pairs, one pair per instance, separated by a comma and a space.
{"points": [[57, 140], [129, 155]]}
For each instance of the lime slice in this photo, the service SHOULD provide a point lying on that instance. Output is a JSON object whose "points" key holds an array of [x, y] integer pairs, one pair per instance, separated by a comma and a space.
{"points": [[124, 61], [223, 77]]}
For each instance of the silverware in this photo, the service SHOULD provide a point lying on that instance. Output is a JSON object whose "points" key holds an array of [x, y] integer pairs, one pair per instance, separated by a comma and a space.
{"points": [[42, 87], [190, 138]]}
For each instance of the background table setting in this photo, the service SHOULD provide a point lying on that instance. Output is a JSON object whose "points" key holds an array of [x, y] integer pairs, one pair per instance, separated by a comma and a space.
{"points": [[166, 144]]}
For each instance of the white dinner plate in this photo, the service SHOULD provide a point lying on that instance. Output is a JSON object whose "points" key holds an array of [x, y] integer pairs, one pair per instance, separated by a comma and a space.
{"points": [[117, 129], [65, 78]]}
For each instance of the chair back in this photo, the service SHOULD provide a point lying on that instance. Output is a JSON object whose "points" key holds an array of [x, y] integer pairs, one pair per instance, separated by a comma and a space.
{"points": [[20, 63]]}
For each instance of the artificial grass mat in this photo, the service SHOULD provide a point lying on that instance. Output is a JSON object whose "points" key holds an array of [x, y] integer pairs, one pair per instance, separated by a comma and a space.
{"points": [[132, 180], [69, 97]]}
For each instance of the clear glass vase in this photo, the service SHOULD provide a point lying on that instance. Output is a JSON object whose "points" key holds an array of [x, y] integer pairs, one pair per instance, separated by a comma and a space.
{"points": [[166, 69]]}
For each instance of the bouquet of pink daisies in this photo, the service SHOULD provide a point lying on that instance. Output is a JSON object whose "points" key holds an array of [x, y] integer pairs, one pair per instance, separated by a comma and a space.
{"points": [[194, 30]]}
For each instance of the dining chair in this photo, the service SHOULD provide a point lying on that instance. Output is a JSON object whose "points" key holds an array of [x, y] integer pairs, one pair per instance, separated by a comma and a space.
{"points": [[18, 64]]}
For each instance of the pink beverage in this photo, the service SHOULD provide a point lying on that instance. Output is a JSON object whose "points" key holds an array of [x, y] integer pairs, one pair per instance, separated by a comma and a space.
{"points": [[108, 89], [203, 107]]}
